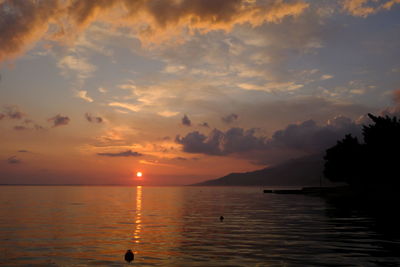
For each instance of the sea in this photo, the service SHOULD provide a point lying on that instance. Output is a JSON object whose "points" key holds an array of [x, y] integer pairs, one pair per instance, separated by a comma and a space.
{"points": [[181, 226]]}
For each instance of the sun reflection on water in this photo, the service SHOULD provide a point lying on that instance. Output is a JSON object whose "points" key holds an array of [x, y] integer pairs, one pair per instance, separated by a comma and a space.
{"points": [[138, 215]]}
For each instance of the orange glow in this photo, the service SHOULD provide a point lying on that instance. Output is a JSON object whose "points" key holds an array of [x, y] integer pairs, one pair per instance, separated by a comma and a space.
{"points": [[139, 174]]}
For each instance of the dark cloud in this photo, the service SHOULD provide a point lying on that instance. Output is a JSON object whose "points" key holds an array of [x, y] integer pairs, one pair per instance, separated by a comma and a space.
{"points": [[20, 128], [13, 160], [90, 118], [59, 120], [295, 139], [230, 118], [38, 127], [23, 23], [181, 158], [312, 138], [84, 12], [204, 124], [186, 121], [185, 159], [196, 142], [23, 151], [234, 140], [13, 112], [128, 153]]}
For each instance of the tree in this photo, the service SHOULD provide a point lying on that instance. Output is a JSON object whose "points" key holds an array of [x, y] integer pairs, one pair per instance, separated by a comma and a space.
{"points": [[342, 161], [371, 165]]}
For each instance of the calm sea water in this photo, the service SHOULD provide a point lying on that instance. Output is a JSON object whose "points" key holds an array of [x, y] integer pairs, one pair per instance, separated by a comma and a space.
{"points": [[179, 226]]}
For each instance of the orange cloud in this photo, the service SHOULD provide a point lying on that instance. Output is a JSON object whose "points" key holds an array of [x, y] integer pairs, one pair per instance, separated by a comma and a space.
{"points": [[24, 22], [163, 20], [389, 4], [364, 8]]}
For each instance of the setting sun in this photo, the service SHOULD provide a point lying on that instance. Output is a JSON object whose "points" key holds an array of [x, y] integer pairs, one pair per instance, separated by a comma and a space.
{"points": [[139, 174]]}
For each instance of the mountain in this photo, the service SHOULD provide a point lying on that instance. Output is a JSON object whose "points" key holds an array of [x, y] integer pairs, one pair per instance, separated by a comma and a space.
{"points": [[305, 171]]}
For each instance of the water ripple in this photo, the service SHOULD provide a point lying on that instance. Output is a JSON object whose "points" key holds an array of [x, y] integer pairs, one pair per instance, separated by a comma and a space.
{"points": [[179, 226]]}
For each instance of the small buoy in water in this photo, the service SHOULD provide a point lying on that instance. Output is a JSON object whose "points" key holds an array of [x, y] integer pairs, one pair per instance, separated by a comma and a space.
{"points": [[129, 256], [221, 218]]}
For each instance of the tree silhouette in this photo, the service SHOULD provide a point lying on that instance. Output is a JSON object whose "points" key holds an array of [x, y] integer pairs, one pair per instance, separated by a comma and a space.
{"points": [[372, 165], [342, 161]]}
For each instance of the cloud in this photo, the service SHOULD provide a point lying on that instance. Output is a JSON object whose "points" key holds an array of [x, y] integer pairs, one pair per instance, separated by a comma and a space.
{"points": [[90, 118], [59, 120], [204, 124], [23, 23], [180, 158], [102, 90], [83, 95], [13, 160], [295, 139], [390, 4], [250, 86], [230, 118], [24, 128], [13, 112], [38, 127], [158, 21], [186, 121], [234, 140], [326, 77], [272, 86], [357, 91], [80, 68], [393, 110], [358, 7], [312, 138], [23, 151], [196, 142], [131, 107], [20, 128], [128, 153], [364, 8], [396, 97], [167, 113]]}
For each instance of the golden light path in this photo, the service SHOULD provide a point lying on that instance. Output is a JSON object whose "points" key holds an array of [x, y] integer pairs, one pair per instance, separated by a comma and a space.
{"points": [[138, 216]]}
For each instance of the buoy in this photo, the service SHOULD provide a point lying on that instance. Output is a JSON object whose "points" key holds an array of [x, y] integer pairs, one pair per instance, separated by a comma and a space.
{"points": [[129, 256]]}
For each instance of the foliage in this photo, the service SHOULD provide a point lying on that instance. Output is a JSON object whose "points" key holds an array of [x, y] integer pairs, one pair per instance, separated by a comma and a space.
{"points": [[371, 164]]}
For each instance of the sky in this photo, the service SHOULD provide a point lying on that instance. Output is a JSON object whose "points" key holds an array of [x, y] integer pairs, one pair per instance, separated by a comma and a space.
{"points": [[92, 92]]}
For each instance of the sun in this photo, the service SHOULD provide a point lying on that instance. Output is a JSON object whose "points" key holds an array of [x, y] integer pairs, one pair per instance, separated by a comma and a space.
{"points": [[139, 174]]}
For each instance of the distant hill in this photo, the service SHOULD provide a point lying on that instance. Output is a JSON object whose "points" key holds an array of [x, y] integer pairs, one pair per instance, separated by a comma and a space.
{"points": [[305, 171]]}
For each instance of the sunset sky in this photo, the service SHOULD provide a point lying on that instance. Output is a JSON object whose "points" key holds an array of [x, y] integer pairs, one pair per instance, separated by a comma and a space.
{"points": [[91, 92]]}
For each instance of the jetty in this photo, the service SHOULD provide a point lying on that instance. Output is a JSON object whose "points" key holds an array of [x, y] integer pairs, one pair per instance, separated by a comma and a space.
{"points": [[284, 191], [312, 191]]}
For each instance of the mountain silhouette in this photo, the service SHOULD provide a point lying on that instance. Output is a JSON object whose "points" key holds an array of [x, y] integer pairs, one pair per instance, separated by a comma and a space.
{"points": [[304, 171]]}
